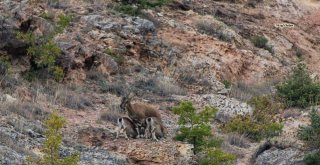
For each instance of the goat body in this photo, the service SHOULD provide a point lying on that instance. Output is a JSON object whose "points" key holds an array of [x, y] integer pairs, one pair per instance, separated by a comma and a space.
{"points": [[155, 127], [138, 112], [127, 127]]}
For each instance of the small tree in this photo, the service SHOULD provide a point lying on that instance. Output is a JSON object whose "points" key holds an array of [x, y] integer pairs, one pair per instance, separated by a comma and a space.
{"points": [[196, 129], [52, 144], [194, 126], [299, 90]]}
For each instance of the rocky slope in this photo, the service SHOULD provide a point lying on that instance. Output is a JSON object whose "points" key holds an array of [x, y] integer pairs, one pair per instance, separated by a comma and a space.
{"points": [[181, 51]]}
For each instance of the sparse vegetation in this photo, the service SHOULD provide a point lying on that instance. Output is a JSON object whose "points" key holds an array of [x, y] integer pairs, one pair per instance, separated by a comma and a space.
{"points": [[311, 136], [245, 92], [116, 56], [44, 52], [27, 110], [110, 116], [4, 66], [52, 145], [160, 85], [238, 140], [299, 90], [195, 129], [135, 7], [312, 159], [216, 29], [260, 125], [226, 83], [118, 88], [262, 42]]}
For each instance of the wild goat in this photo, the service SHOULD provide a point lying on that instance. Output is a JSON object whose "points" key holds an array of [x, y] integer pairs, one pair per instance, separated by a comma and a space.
{"points": [[138, 112], [154, 126], [127, 127]]}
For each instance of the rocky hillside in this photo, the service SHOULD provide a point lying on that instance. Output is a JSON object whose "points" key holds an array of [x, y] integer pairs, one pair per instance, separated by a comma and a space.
{"points": [[183, 50]]}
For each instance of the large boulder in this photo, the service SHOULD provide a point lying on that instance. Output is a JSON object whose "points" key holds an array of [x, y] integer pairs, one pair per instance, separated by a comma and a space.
{"points": [[276, 156]]}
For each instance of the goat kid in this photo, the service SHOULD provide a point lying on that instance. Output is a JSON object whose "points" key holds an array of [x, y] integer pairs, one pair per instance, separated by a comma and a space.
{"points": [[154, 127], [126, 127]]}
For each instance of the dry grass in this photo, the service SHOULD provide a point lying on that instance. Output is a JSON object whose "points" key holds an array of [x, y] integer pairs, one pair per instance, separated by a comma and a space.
{"points": [[293, 113], [238, 140], [160, 85], [245, 92], [27, 110], [215, 28], [238, 152], [73, 100], [110, 116]]}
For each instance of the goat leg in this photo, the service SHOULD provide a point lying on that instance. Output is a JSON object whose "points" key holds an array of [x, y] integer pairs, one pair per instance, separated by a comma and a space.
{"points": [[153, 131], [138, 136]]}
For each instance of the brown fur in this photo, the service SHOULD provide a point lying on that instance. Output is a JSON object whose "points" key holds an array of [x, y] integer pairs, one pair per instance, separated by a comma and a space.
{"points": [[127, 127], [138, 112], [154, 127]]}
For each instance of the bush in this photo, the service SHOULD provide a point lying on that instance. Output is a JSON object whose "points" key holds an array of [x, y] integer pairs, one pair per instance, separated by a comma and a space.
{"points": [[311, 136], [311, 133], [4, 66], [117, 57], [216, 29], [260, 125], [245, 92], [226, 83], [299, 90], [261, 42], [195, 128], [135, 7], [215, 156], [117, 88], [44, 51], [73, 100], [160, 85], [52, 144], [238, 140], [312, 159]]}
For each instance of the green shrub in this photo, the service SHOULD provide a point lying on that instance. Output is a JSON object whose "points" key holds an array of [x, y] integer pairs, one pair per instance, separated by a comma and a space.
{"points": [[128, 9], [311, 136], [226, 83], [5, 66], [269, 48], [116, 56], [52, 143], [215, 156], [44, 51], [138, 5], [58, 73], [299, 90], [195, 128], [199, 124], [63, 22], [261, 42], [311, 133], [260, 125], [312, 159]]}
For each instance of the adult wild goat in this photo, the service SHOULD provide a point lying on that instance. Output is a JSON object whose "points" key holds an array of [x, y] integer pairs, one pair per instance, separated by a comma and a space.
{"points": [[138, 112]]}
